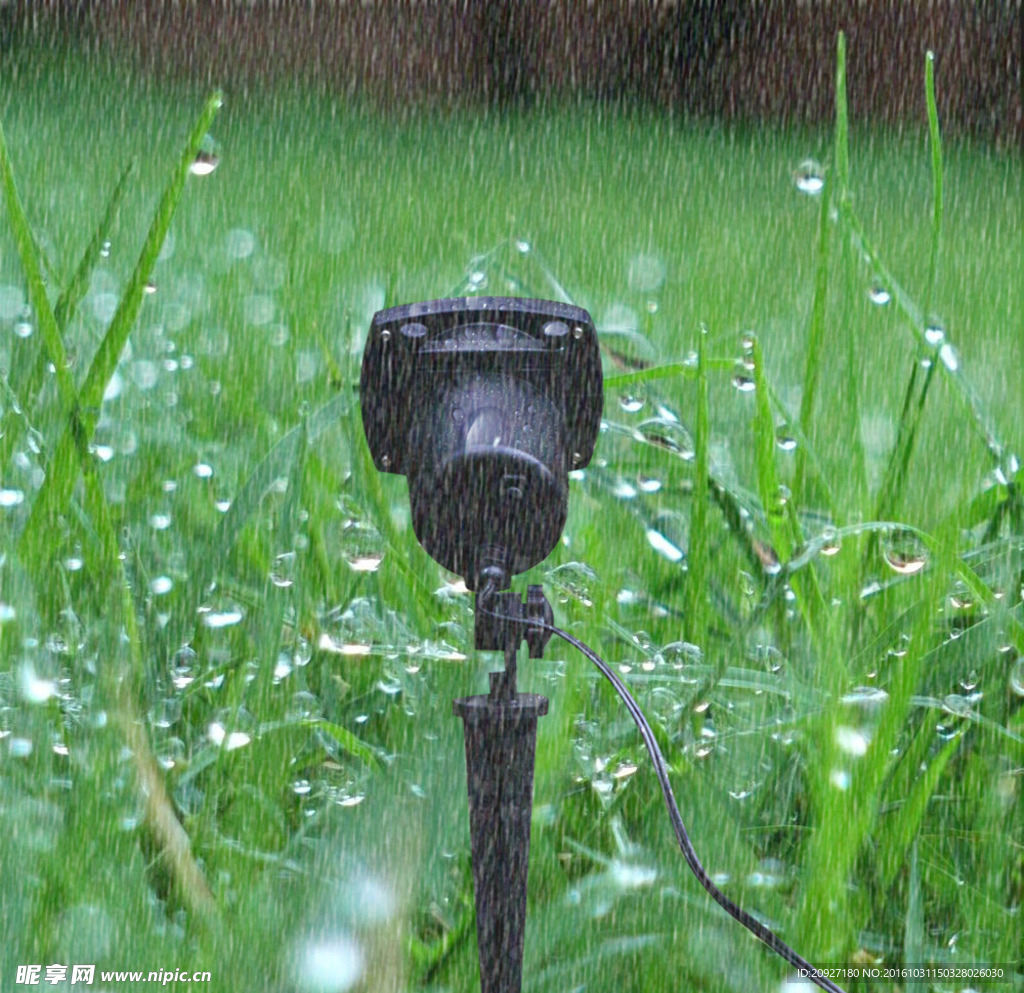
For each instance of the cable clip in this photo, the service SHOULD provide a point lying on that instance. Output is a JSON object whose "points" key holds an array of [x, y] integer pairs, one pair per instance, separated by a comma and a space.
{"points": [[504, 622]]}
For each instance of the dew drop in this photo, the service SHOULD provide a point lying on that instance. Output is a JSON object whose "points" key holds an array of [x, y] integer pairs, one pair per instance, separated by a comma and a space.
{"points": [[667, 434], [904, 553], [663, 546], [222, 618], [831, 543], [11, 498], [809, 177], [574, 581], [283, 667], [948, 357], [282, 571], [1017, 676], [879, 294], [852, 741], [840, 779], [229, 741], [744, 383], [207, 158], [161, 585]]}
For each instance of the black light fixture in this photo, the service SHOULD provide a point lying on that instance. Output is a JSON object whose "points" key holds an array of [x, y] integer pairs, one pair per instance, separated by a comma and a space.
{"points": [[485, 404]]}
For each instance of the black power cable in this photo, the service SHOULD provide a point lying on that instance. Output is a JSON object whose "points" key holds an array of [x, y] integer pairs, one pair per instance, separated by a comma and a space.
{"points": [[768, 936]]}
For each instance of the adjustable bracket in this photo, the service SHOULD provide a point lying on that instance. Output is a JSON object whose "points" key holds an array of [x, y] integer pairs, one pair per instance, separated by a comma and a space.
{"points": [[503, 623]]}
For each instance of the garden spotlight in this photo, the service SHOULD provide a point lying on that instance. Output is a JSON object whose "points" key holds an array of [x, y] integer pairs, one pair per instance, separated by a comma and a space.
{"points": [[485, 404]]}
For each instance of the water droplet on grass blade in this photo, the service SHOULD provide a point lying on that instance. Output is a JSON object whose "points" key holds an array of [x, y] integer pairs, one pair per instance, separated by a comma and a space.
{"points": [[207, 158], [217, 619], [904, 552], [831, 542], [362, 546], [161, 585], [809, 177], [667, 434], [840, 779], [1017, 676], [948, 357], [852, 741], [574, 580], [879, 294], [282, 571]]}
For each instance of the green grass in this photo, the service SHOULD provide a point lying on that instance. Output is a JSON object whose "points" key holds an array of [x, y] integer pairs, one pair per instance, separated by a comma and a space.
{"points": [[225, 739]]}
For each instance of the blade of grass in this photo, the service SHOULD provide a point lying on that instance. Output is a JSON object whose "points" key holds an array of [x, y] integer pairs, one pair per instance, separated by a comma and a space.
{"points": [[897, 831], [347, 741], [52, 341], [28, 367], [935, 140], [60, 480], [811, 460], [891, 492], [76, 289], [778, 508], [106, 358], [695, 592], [842, 137], [275, 599], [688, 370], [913, 318], [815, 339], [913, 931]]}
